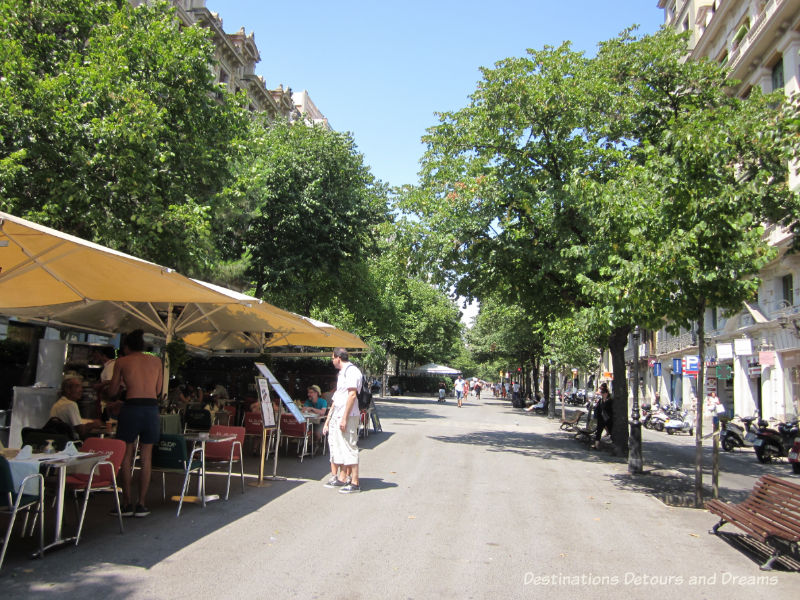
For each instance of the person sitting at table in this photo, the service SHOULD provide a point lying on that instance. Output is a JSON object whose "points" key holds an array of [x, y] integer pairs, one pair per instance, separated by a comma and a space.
{"points": [[177, 396], [66, 407], [328, 396], [220, 393], [315, 403]]}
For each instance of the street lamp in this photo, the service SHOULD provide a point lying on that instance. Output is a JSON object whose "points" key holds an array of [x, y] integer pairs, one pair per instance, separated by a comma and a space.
{"points": [[635, 438]]}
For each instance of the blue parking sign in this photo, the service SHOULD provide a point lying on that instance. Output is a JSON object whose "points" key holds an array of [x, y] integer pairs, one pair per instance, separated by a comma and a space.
{"points": [[691, 365]]}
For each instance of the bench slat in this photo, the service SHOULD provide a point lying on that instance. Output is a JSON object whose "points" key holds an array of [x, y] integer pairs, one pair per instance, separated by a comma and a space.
{"points": [[743, 519]]}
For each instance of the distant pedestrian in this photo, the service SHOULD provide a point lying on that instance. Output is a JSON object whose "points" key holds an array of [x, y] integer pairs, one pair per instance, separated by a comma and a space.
{"points": [[458, 386], [603, 414], [716, 408], [442, 391]]}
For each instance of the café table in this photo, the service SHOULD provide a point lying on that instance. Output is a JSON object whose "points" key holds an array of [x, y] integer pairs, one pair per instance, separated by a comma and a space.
{"points": [[203, 439], [60, 461], [314, 420]]}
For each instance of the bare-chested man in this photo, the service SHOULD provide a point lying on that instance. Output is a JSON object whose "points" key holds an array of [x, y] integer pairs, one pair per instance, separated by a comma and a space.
{"points": [[142, 376]]}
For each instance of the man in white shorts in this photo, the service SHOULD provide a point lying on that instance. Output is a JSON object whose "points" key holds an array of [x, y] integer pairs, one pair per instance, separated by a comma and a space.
{"points": [[342, 425]]}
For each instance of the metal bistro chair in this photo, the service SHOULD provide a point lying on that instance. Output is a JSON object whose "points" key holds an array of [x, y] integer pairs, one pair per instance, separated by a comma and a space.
{"points": [[227, 452], [36, 438], [253, 428], [13, 501], [170, 456], [102, 477], [196, 419], [290, 428]]}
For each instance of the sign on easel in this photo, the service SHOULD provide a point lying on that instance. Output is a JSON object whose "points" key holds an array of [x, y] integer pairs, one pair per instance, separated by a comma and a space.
{"points": [[267, 414], [286, 400]]}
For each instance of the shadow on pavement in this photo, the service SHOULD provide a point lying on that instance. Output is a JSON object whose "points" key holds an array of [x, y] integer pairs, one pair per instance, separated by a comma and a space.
{"points": [[550, 446], [758, 552], [407, 408], [369, 484]]}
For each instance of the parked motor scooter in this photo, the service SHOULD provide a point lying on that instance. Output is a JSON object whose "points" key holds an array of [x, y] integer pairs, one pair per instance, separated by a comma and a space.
{"points": [[658, 416], [683, 423], [732, 435], [772, 443]]}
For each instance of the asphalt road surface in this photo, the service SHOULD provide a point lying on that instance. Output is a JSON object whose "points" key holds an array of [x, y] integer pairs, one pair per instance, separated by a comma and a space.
{"points": [[485, 501]]}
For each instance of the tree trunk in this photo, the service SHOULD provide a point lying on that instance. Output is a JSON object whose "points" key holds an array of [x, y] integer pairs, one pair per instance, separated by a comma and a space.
{"points": [[698, 419], [546, 383], [619, 431]]}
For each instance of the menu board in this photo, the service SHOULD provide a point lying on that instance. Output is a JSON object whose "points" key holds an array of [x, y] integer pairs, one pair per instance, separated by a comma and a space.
{"points": [[267, 414], [287, 401]]}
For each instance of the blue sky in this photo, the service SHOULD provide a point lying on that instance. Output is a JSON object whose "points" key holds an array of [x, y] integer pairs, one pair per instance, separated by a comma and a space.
{"points": [[380, 70]]}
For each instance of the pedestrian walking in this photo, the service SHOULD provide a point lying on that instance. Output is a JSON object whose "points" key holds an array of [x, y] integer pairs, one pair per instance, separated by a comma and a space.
{"points": [[459, 389]]}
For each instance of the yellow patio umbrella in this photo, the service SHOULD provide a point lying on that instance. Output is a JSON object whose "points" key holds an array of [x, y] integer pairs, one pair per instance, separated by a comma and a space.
{"points": [[50, 276], [323, 335]]}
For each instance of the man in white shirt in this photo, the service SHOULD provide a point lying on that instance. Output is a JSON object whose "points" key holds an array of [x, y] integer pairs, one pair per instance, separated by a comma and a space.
{"points": [[458, 386], [66, 407], [341, 426]]}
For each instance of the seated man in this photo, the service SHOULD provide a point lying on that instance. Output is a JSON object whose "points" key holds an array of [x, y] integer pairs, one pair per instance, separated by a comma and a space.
{"points": [[317, 405], [66, 408]]}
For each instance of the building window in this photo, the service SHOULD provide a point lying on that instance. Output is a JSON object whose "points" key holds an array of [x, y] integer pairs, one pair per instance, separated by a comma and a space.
{"points": [[714, 323], [777, 75], [223, 76], [788, 289], [742, 31]]}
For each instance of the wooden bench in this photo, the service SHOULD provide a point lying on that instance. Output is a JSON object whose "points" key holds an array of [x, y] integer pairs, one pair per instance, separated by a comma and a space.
{"points": [[571, 424], [770, 514]]}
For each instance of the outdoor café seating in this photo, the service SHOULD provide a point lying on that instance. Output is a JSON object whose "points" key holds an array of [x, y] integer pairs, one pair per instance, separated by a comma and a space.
{"points": [[101, 478], [36, 438], [196, 419], [227, 452], [254, 428], [171, 456], [16, 498], [292, 429]]}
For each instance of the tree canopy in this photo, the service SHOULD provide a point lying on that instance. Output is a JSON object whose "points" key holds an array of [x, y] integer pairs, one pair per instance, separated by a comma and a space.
{"points": [[112, 128]]}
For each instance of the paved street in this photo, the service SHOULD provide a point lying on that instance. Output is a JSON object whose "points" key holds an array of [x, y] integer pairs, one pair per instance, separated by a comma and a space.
{"points": [[480, 502]]}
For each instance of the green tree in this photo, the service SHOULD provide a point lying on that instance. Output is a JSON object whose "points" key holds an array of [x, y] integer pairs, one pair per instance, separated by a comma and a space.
{"points": [[111, 126], [501, 178], [308, 207], [706, 173]]}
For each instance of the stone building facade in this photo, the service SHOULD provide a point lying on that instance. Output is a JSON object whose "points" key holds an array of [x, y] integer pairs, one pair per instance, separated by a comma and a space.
{"points": [[753, 357]]}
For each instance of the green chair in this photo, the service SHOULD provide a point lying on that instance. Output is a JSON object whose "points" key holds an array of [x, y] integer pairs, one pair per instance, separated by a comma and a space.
{"points": [[170, 456], [13, 500]]}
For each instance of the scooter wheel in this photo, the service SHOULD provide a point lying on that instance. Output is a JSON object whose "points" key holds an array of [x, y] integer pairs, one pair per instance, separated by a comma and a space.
{"points": [[763, 454], [670, 431], [659, 426], [728, 445]]}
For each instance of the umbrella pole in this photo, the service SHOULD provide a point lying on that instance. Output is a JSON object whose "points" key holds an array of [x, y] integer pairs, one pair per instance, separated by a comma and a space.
{"points": [[277, 441], [168, 337]]}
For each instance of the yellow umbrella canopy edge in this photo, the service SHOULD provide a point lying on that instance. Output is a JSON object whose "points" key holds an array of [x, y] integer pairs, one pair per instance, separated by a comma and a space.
{"points": [[40, 266]]}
